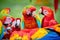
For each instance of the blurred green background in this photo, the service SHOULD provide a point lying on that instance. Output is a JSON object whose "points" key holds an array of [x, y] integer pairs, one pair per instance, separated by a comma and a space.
{"points": [[17, 6]]}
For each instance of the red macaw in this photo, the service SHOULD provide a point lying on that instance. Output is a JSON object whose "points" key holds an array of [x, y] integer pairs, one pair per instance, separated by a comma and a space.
{"points": [[30, 21], [16, 24], [48, 21], [7, 22]]}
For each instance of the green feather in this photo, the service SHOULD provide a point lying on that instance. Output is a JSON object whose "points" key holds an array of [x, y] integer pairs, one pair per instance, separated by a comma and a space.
{"points": [[28, 6], [1, 15]]}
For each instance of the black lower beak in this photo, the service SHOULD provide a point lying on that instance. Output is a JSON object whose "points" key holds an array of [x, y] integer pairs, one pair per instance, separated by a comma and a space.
{"points": [[30, 14], [5, 24], [42, 13]]}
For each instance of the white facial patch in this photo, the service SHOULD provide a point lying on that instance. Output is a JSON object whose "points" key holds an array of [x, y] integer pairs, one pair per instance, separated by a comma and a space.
{"points": [[40, 11], [8, 20], [33, 13], [8, 28], [45, 12], [18, 22], [13, 23]]}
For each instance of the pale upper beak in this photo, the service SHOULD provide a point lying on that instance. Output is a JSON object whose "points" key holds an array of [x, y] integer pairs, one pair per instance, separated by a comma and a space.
{"points": [[40, 11], [18, 22], [30, 13]]}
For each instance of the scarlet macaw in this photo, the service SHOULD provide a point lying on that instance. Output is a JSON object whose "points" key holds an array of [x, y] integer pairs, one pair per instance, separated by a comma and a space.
{"points": [[16, 24], [29, 21], [7, 22], [3, 15], [49, 22]]}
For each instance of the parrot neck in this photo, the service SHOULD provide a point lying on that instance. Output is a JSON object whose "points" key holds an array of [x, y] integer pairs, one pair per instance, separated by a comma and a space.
{"points": [[25, 16], [49, 17]]}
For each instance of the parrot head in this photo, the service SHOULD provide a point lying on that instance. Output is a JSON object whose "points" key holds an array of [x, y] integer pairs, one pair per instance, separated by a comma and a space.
{"points": [[29, 10], [6, 11], [46, 11], [18, 21], [8, 20]]}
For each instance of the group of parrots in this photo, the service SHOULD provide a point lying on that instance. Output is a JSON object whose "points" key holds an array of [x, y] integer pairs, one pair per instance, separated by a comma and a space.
{"points": [[30, 26]]}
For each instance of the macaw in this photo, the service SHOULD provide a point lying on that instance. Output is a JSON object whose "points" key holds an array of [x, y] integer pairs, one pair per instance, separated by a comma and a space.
{"points": [[7, 22], [30, 20], [16, 24], [1, 30], [49, 23], [4, 12], [48, 20]]}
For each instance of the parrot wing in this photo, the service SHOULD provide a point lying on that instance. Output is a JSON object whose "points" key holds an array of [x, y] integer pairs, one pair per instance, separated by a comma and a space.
{"points": [[22, 23], [2, 33], [53, 22], [38, 20]]}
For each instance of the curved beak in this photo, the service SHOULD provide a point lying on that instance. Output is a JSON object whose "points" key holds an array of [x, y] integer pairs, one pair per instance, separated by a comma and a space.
{"points": [[41, 11], [29, 13], [17, 23]]}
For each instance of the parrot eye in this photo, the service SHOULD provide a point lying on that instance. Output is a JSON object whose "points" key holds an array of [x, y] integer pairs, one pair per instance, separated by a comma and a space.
{"points": [[45, 12], [28, 12]]}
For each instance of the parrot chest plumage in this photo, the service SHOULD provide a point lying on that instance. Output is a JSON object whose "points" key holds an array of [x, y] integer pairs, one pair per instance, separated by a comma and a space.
{"points": [[30, 22], [48, 22]]}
